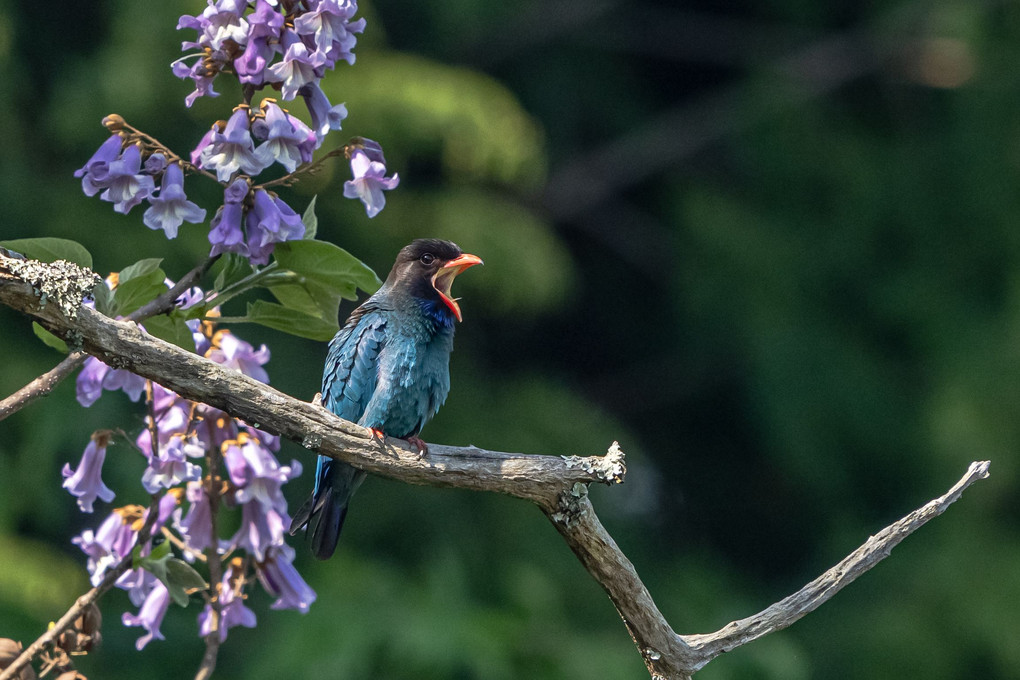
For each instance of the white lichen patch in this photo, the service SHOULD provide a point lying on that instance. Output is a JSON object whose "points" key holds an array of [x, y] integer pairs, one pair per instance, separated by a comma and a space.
{"points": [[608, 469], [62, 283]]}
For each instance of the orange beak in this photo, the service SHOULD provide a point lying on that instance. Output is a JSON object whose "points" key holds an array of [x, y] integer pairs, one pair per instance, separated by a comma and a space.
{"points": [[443, 279]]}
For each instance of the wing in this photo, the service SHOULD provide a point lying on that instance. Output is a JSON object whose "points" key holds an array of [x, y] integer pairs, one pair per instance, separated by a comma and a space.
{"points": [[351, 372]]}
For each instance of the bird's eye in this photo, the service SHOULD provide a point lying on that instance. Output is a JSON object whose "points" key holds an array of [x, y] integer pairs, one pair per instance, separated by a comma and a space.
{"points": [[427, 258]]}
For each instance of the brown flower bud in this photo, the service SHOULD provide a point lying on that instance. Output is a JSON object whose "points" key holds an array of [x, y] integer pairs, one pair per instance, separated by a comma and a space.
{"points": [[11, 650], [114, 122]]}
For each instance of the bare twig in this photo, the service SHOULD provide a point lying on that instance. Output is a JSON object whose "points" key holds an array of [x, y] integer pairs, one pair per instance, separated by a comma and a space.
{"points": [[45, 383], [79, 606], [558, 485]]}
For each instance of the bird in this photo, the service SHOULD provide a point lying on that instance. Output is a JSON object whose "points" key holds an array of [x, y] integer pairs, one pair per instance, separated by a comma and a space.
{"points": [[387, 369]]}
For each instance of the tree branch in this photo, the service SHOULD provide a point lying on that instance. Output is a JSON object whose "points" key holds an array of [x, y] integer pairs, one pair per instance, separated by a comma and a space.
{"points": [[44, 384], [557, 484]]}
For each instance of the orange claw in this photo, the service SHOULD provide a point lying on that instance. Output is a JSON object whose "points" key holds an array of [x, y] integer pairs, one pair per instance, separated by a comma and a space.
{"points": [[377, 433]]}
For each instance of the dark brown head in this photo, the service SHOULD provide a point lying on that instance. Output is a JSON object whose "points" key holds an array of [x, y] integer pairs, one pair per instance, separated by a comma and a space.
{"points": [[426, 268]]}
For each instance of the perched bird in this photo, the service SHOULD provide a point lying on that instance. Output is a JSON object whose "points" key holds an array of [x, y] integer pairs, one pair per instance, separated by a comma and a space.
{"points": [[387, 369]]}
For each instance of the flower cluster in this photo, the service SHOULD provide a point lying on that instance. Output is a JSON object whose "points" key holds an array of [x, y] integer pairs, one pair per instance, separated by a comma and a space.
{"points": [[287, 45], [242, 475]]}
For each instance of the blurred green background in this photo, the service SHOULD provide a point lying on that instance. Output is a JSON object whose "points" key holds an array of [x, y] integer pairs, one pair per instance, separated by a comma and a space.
{"points": [[772, 248]]}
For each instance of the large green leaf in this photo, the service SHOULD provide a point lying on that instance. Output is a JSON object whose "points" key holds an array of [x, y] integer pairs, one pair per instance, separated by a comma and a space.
{"points": [[328, 265], [48, 338], [140, 268], [171, 327], [49, 249], [230, 269], [291, 321], [136, 291]]}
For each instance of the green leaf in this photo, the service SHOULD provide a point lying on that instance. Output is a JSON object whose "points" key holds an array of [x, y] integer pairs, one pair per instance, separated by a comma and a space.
{"points": [[291, 321], [230, 269], [328, 265], [172, 328], [182, 574], [48, 249], [104, 298], [140, 268], [131, 294], [310, 220], [48, 338], [295, 296]]}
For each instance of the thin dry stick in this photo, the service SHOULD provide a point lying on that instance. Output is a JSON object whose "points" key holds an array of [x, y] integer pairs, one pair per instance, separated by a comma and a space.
{"points": [[212, 640], [72, 614], [44, 384]]}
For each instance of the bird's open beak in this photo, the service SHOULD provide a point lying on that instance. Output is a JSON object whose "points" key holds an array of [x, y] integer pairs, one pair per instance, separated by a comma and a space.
{"points": [[442, 281]]}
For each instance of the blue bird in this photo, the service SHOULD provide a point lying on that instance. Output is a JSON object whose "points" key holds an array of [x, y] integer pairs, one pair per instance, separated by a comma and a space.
{"points": [[387, 369]]}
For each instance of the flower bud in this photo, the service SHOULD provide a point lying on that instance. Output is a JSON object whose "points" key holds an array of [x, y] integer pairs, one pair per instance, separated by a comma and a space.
{"points": [[114, 122], [11, 650]]}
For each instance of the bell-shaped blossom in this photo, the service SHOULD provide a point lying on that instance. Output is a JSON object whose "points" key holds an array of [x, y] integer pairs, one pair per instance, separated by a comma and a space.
{"points": [[150, 615], [325, 117], [200, 74], [155, 164], [108, 152], [171, 207], [173, 418], [108, 545], [231, 351], [265, 24], [369, 182], [298, 67], [269, 222], [95, 376], [262, 528], [256, 472], [138, 584], [288, 141], [125, 185], [226, 235], [170, 466], [196, 526], [86, 483], [281, 580], [219, 22], [232, 149], [330, 27], [233, 611]]}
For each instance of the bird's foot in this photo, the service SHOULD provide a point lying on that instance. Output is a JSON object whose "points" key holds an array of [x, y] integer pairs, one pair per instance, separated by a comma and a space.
{"points": [[418, 443], [317, 400], [377, 433]]}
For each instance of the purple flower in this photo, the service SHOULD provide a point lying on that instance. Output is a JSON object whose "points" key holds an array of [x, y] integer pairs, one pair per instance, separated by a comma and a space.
{"points": [[202, 73], [196, 526], [122, 180], [256, 472], [86, 482], [107, 546], [262, 528], [95, 376], [324, 116], [173, 418], [170, 466], [226, 235], [196, 153], [369, 182], [155, 164], [138, 584], [233, 612], [263, 37], [108, 152], [288, 140], [298, 67], [151, 614], [331, 29], [232, 149], [232, 352], [269, 222], [281, 579], [171, 208]]}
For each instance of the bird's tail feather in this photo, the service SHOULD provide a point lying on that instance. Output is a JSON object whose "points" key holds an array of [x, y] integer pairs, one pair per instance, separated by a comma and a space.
{"points": [[325, 511]]}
